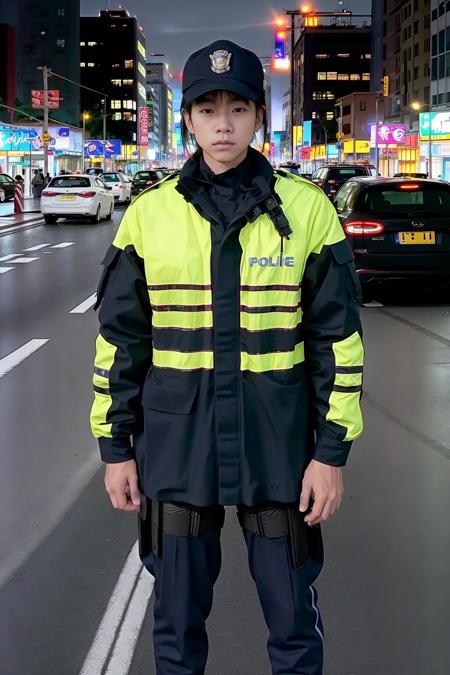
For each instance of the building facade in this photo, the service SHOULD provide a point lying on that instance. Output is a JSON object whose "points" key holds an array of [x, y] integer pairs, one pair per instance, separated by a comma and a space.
{"points": [[158, 79], [8, 69], [330, 61], [112, 60], [47, 33]]}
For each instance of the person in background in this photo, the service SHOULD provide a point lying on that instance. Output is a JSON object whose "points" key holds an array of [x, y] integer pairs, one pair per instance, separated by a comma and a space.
{"points": [[38, 183]]}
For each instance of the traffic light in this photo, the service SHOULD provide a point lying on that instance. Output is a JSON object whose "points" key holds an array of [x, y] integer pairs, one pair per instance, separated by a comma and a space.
{"points": [[386, 85], [280, 44]]}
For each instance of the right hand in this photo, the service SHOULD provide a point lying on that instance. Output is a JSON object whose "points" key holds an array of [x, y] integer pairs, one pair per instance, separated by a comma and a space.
{"points": [[121, 483]]}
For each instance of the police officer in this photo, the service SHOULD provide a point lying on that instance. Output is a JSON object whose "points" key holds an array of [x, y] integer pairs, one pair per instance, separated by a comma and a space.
{"points": [[229, 371]]}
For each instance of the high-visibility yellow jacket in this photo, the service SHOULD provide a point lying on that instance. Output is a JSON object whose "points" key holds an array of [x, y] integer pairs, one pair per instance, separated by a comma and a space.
{"points": [[227, 360]]}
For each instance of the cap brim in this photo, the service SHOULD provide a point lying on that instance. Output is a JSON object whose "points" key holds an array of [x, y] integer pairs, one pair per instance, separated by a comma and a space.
{"points": [[216, 84]]}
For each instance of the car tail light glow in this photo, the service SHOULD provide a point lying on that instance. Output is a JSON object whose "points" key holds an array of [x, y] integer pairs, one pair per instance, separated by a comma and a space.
{"points": [[150, 182], [409, 186], [120, 185], [331, 181], [47, 193], [363, 228], [86, 195]]}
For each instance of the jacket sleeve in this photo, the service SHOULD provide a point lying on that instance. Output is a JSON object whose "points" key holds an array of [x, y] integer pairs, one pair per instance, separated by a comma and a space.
{"points": [[334, 354], [123, 347]]}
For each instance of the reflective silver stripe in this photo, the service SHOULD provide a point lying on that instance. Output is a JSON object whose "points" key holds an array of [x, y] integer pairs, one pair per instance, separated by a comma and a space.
{"points": [[101, 390], [316, 609], [101, 371], [349, 370], [346, 390]]}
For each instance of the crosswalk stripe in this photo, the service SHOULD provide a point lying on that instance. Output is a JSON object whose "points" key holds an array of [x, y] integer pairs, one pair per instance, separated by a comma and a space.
{"points": [[85, 305], [7, 363], [64, 244]]}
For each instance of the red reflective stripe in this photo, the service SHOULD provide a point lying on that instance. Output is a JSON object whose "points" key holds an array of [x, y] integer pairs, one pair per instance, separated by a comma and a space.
{"points": [[266, 310], [272, 287], [182, 308], [179, 287]]}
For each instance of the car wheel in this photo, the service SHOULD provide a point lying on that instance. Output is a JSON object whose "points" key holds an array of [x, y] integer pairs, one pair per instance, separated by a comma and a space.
{"points": [[50, 220], [96, 219], [111, 211], [2, 195]]}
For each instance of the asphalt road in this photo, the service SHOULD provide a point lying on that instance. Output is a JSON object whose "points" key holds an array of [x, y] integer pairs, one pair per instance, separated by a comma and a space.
{"points": [[73, 598]]}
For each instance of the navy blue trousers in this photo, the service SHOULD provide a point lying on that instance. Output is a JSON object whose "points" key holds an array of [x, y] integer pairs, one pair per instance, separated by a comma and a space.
{"points": [[184, 579]]}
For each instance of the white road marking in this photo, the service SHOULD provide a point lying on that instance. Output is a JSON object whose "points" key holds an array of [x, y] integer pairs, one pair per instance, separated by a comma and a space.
{"points": [[24, 260], [9, 362], [372, 303], [9, 256], [64, 244], [5, 269], [127, 638], [117, 605], [36, 248], [85, 305]]}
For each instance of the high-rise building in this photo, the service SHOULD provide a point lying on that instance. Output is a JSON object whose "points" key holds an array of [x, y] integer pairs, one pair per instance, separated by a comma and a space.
{"points": [[8, 69], [47, 33], [440, 55], [158, 79], [330, 61], [112, 60]]}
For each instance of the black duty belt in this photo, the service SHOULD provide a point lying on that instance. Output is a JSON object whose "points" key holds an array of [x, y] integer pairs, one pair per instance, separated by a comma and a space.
{"points": [[181, 521], [271, 523]]}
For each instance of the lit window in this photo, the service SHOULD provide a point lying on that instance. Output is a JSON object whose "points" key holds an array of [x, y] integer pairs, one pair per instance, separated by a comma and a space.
{"points": [[314, 115], [82, 65], [367, 56], [61, 43], [116, 83], [90, 65], [134, 117], [344, 56], [91, 44], [116, 105], [330, 116], [322, 56], [117, 116], [355, 76], [82, 44], [134, 105], [127, 116], [127, 83], [115, 65], [141, 69], [343, 76], [321, 76], [366, 76], [127, 105], [330, 96], [331, 76], [141, 48], [128, 63]]}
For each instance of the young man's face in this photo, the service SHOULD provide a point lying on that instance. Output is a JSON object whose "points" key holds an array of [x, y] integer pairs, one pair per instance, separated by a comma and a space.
{"points": [[224, 128]]}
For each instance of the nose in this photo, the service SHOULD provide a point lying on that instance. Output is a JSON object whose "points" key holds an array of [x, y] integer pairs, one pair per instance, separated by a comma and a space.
{"points": [[223, 123]]}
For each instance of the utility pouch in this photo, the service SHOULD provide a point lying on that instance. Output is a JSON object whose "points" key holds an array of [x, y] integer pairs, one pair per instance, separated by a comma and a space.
{"points": [[298, 536], [149, 528]]}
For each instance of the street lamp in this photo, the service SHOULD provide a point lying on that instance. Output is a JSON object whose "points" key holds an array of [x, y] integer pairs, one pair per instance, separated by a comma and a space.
{"points": [[85, 117], [416, 106]]}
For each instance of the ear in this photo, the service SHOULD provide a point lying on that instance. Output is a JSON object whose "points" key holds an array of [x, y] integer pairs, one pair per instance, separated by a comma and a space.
{"points": [[188, 122], [259, 118]]}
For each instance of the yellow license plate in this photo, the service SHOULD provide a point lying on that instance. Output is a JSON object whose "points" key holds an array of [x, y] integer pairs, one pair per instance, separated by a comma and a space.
{"points": [[416, 237], [68, 198]]}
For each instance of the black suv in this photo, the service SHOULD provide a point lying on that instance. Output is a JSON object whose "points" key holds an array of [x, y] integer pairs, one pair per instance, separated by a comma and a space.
{"points": [[144, 179], [7, 185], [397, 228], [332, 176]]}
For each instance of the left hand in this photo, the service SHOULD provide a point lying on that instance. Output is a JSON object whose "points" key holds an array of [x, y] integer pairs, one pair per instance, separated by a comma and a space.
{"points": [[323, 483]]}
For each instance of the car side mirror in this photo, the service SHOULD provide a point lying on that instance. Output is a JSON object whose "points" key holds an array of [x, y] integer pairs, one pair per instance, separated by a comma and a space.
{"points": [[108, 187]]}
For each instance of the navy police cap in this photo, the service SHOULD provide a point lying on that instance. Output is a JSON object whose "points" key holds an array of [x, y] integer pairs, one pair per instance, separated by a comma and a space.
{"points": [[222, 65]]}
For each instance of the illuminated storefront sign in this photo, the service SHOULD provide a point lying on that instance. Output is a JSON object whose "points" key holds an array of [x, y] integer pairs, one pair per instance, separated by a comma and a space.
{"points": [[440, 126]]}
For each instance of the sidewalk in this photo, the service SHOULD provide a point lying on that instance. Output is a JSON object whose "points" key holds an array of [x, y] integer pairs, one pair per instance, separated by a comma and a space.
{"points": [[9, 219]]}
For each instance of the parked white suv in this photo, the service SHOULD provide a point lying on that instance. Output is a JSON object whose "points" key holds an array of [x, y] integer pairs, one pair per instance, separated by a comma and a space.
{"points": [[77, 196]]}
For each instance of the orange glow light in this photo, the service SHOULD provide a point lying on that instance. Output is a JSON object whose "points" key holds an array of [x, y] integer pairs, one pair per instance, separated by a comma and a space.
{"points": [[305, 9], [281, 35], [280, 22], [409, 186], [281, 64]]}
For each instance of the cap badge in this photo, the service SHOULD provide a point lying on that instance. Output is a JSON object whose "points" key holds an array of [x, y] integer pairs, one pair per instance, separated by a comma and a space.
{"points": [[220, 61]]}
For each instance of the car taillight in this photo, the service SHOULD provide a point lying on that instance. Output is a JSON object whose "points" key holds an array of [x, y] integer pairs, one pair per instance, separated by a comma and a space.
{"points": [[363, 228], [331, 181], [409, 186], [150, 182], [87, 195], [120, 185], [46, 193]]}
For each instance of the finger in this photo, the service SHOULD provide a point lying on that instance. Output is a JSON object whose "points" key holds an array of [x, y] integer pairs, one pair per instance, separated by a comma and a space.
{"points": [[305, 497], [135, 495], [326, 512], [130, 508], [316, 510], [113, 499], [121, 499]]}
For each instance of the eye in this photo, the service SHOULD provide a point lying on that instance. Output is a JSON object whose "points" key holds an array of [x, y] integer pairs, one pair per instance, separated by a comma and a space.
{"points": [[205, 111], [240, 109]]}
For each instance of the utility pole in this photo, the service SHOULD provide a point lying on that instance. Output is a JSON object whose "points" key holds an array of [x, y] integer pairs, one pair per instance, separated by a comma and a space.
{"points": [[45, 127], [377, 117]]}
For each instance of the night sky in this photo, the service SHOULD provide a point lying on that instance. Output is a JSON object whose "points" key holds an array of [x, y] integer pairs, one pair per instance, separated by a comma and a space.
{"points": [[179, 27]]}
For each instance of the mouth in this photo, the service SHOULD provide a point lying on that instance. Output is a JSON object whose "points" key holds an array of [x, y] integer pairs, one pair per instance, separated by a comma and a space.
{"points": [[223, 144]]}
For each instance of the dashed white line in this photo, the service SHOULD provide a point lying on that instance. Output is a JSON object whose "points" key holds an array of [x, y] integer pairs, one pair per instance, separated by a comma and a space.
{"points": [[36, 248], [24, 260], [5, 269], [10, 256], [85, 305], [123, 652], [9, 362], [64, 244], [106, 633]]}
